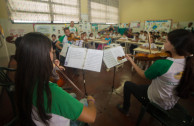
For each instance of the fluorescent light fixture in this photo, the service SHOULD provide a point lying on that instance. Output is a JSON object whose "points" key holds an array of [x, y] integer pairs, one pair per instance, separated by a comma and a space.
{"points": [[20, 21]]}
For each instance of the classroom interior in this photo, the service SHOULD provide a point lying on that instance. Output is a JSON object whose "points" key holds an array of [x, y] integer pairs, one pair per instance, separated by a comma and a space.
{"points": [[133, 26]]}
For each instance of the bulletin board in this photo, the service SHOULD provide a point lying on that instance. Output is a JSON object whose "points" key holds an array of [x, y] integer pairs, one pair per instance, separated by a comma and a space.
{"points": [[135, 24], [158, 25], [49, 29]]}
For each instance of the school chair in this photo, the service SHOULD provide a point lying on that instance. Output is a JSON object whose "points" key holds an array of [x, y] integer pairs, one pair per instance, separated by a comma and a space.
{"points": [[176, 116], [8, 89]]}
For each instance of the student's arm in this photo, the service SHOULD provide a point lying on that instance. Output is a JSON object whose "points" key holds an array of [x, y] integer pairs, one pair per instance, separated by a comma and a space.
{"points": [[88, 113], [58, 45], [139, 70]]}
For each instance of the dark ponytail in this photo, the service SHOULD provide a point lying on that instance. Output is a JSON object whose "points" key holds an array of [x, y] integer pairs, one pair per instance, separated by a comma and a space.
{"points": [[34, 67], [183, 42]]}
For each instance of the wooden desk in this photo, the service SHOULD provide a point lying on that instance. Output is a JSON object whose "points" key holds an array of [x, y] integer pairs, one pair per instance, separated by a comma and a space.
{"points": [[145, 50]]}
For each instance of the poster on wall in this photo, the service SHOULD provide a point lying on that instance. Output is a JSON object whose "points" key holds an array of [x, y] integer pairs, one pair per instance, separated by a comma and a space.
{"points": [[158, 25], [135, 24], [44, 29], [94, 28], [175, 25]]}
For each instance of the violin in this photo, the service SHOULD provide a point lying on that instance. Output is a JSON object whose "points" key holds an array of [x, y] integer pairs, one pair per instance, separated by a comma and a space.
{"points": [[143, 56], [156, 56], [72, 37]]}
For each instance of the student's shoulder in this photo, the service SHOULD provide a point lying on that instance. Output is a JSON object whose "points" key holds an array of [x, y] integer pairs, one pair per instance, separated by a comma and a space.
{"points": [[163, 62]]}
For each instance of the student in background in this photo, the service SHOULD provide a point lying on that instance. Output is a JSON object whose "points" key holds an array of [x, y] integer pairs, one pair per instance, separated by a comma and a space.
{"points": [[61, 42], [39, 101], [91, 36], [189, 27], [141, 34], [130, 33], [72, 28], [107, 39], [163, 35], [144, 37], [111, 28], [172, 78], [124, 37], [111, 33], [85, 37], [153, 45], [133, 46], [54, 41], [98, 36]]}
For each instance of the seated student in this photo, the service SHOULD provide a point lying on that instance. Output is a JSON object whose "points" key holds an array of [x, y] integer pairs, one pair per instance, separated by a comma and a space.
{"points": [[157, 35], [98, 36], [136, 37], [130, 33], [172, 78], [153, 45], [144, 37], [91, 36], [133, 46], [111, 33], [124, 37], [85, 37], [107, 39], [39, 101], [163, 36], [141, 34]]}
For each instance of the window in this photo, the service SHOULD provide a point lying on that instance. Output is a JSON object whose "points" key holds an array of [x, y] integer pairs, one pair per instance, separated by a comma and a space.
{"points": [[44, 11], [104, 11]]}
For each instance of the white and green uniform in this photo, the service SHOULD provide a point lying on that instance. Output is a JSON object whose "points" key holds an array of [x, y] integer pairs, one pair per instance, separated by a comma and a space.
{"points": [[63, 107], [72, 29], [165, 76]]}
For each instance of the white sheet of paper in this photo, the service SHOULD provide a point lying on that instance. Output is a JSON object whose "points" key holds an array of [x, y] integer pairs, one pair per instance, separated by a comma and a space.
{"points": [[118, 51], [75, 57], [64, 49], [93, 60], [109, 59]]}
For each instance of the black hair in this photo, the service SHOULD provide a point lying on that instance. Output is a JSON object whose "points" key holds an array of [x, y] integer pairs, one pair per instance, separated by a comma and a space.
{"points": [[34, 67], [66, 28], [17, 41], [183, 42], [53, 35]]}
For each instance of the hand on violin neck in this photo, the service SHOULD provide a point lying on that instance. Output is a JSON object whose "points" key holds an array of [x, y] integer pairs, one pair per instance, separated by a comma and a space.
{"points": [[57, 62]]}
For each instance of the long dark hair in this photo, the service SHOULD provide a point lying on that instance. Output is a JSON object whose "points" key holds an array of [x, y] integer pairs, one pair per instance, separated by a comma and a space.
{"points": [[34, 67], [183, 42]]}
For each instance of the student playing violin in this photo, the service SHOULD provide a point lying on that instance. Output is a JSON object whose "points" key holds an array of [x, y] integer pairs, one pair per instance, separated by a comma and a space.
{"points": [[39, 101], [172, 78]]}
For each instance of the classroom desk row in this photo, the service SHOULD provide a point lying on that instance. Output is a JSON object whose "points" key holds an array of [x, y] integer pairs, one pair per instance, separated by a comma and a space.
{"points": [[129, 42]]}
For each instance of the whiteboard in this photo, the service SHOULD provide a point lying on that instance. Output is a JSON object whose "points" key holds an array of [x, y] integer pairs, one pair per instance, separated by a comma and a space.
{"points": [[158, 25]]}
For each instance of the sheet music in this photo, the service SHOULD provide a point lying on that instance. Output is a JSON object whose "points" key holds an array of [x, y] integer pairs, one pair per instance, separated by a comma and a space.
{"points": [[110, 56], [109, 59], [75, 57], [64, 49], [118, 51], [93, 60]]}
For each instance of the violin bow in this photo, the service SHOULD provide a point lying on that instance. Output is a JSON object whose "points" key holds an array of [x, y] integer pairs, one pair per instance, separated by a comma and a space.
{"points": [[69, 80], [149, 41]]}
